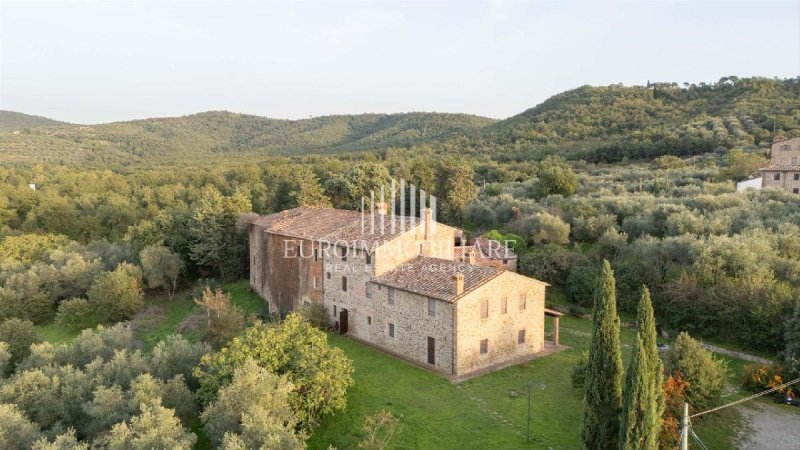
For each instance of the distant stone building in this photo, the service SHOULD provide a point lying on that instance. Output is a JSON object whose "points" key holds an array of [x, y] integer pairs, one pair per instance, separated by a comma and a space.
{"points": [[784, 169], [398, 284]]}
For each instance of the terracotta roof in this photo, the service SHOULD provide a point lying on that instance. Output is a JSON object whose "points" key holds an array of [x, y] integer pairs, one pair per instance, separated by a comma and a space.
{"points": [[494, 249], [782, 168], [459, 253], [332, 225], [433, 277]]}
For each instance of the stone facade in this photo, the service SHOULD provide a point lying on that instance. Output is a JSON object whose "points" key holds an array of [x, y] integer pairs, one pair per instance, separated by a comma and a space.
{"points": [[513, 303], [407, 294], [784, 169]]}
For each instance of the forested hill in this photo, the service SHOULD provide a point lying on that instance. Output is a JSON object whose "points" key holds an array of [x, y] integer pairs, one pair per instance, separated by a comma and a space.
{"points": [[598, 124], [10, 120], [613, 122], [210, 134]]}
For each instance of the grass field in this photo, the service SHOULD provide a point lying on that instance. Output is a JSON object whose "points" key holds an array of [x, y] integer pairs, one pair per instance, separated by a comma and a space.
{"points": [[482, 413], [487, 412]]}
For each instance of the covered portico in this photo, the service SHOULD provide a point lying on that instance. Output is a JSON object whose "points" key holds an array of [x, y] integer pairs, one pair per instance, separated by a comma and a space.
{"points": [[556, 316]]}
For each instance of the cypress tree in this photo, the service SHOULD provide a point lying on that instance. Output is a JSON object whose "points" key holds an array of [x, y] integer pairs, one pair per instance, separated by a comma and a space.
{"points": [[640, 421], [602, 400]]}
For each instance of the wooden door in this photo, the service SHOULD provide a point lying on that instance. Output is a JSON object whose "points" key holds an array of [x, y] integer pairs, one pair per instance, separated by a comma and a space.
{"points": [[343, 321], [431, 350]]}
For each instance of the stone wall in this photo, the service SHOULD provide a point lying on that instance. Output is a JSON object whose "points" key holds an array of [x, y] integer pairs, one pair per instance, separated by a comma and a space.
{"points": [[786, 153], [499, 328], [369, 318], [284, 271]]}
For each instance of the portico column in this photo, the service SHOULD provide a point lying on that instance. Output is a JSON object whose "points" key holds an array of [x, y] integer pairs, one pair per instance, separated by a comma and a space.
{"points": [[555, 329]]}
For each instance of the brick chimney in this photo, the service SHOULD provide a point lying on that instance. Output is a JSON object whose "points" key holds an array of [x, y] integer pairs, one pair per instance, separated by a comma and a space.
{"points": [[428, 220], [381, 208], [458, 283]]}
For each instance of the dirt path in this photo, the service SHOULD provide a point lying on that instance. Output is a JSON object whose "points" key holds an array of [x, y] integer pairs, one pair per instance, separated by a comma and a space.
{"points": [[770, 426]]}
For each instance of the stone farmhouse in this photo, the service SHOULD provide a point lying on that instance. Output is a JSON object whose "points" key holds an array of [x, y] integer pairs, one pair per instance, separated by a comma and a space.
{"points": [[784, 169], [401, 284]]}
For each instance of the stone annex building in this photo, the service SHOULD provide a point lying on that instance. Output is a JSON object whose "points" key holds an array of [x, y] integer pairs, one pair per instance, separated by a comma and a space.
{"points": [[784, 169], [403, 285]]}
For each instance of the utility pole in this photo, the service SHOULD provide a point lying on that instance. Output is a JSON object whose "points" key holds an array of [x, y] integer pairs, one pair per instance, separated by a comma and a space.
{"points": [[528, 434], [685, 427]]}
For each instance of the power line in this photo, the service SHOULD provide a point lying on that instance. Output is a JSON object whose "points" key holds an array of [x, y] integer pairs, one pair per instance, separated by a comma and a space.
{"points": [[697, 438], [768, 391]]}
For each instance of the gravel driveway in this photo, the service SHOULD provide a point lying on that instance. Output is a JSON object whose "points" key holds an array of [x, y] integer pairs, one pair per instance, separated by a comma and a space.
{"points": [[770, 426]]}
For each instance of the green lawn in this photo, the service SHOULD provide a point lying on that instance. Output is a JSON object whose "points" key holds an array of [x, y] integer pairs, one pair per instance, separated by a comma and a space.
{"points": [[482, 413]]}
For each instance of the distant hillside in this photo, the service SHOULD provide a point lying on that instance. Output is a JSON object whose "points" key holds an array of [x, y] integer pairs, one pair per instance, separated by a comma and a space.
{"points": [[221, 133], [612, 122], [10, 120], [598, 124]]}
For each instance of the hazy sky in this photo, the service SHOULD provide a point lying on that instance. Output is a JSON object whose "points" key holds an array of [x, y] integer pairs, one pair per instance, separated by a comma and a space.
{"points": [[94, 61]]}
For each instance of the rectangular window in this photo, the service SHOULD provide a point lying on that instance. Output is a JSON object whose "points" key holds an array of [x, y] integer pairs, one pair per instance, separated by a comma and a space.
{"points": [[777, 177], [343, 251], [369, 258], [299, 251], [315, 282], [431, 307], [796, 191], [344, 284], [329, 275], [316, 254], [504, 305], [484, 309], [391, 330], [390, 295], [369, 320], [368, 287], [523, 300], [484, 346], [334, 310], [797, 177], [521, 337]]}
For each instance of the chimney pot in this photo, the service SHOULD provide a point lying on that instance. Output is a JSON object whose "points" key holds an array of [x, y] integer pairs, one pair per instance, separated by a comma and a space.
{"points": [[458, 283]]}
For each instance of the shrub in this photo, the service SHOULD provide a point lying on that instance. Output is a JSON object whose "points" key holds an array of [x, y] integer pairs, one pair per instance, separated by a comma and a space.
{"points": [[254, 393], [758, 378], [155, 427], [674, 397], [36, 307], [5, 359], [16, 431], [704, 374], [19, 335], [579, 370], [224, 320], [379, 429], [315, 314], [550, 229], [177, 356], [117, 295], [581, 284], [321, 374], [75, 312]]}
